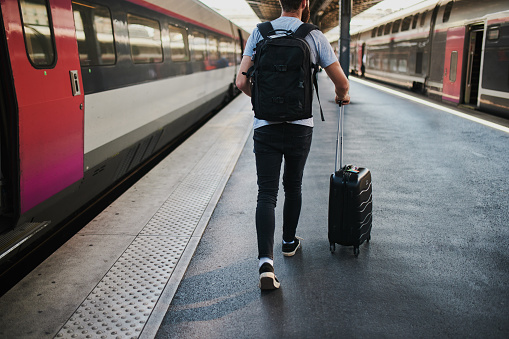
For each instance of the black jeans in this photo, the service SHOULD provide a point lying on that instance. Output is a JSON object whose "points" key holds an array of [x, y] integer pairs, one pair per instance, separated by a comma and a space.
{"points": [[271, 144]]}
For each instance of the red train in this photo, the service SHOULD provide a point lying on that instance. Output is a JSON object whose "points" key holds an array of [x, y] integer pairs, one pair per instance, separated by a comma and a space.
{"points": [[92, 89], [456, 51]]}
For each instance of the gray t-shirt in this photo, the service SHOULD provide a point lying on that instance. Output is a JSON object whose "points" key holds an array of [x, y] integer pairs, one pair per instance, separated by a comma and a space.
{"points": [[321, 54]]}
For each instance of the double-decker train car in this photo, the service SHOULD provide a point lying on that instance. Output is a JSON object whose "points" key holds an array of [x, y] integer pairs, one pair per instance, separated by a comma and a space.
{"points": [[90, 90], [456, 51]]}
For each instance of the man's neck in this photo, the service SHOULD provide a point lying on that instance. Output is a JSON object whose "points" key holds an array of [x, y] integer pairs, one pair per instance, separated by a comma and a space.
{"points": [[297, 15]]}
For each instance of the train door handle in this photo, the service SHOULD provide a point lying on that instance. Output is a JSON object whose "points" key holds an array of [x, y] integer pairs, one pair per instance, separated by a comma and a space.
{"points": [[75, 83]]}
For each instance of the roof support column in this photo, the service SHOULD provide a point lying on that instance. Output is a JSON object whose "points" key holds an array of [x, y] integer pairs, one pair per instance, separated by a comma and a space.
{"points": [[345, 15]]}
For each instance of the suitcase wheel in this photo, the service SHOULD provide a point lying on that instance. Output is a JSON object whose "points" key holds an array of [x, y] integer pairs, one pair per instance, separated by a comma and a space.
{"points": [[332, 247], [356, 251]]}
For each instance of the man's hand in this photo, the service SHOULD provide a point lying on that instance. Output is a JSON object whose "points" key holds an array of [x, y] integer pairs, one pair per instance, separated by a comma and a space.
{"points": [[345, 100]]}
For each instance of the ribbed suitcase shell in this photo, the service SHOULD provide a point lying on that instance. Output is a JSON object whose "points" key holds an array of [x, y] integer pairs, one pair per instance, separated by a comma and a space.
{"points": [[350, 207]]}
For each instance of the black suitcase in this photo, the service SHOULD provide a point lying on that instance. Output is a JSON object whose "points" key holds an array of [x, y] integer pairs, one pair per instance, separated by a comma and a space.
{"points": [[350, 201]]}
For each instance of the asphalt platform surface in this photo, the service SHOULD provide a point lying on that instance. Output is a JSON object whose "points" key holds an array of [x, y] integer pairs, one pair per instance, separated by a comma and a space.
{"points": [[437, 265]]}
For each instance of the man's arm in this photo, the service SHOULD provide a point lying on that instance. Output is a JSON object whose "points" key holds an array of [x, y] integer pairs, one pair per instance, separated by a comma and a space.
{"points": [[338, 77], [242, 81]]}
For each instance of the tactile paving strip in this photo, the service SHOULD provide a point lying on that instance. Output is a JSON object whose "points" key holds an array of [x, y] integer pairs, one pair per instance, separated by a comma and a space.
{"points": [[120, 305], [180, 214]]}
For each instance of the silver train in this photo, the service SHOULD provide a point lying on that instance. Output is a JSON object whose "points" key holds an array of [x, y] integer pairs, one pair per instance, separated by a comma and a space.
{"points": [[91, 90], [455, 51]]}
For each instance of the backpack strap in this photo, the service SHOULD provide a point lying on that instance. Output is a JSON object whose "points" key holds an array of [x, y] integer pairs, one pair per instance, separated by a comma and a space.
{"points": [[265, 28], [301, 33], [315, 83], [304, 30]]}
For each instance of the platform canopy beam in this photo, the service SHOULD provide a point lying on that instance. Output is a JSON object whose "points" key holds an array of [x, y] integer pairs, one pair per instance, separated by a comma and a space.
{"points": [[324, 13]]}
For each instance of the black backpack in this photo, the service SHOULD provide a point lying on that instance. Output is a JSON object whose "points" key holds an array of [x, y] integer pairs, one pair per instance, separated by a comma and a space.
{"points": [[283, 75]]}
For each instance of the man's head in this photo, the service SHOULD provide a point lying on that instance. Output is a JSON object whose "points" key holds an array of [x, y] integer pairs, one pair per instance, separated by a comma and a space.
{"points": [[293, 6]]}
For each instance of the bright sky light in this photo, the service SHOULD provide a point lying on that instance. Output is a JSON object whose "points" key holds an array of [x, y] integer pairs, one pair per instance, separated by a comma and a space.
{"points": [[237, 11], [241, 13]]}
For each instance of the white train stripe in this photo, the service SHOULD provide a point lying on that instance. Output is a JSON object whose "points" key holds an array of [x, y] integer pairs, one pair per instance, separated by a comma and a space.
{"points": [[112, 114], [498, 94]]}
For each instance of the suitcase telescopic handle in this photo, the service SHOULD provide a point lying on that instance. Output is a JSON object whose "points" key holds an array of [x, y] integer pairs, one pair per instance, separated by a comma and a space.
{"points": [[339, 138]]}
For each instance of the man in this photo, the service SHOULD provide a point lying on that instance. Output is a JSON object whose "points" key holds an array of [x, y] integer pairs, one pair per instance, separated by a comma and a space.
{"points": [[291, 140]]}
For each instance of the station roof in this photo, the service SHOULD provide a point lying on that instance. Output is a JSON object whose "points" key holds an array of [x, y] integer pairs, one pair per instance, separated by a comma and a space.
{"points": [[324, 13]]}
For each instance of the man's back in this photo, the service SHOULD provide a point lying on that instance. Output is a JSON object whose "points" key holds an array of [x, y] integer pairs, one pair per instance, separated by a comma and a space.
{"points": [[321, 54]]}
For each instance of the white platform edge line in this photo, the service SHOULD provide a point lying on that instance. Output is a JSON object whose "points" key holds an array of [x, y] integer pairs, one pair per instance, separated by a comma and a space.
{"points": [[433, 105], [161, 308]]}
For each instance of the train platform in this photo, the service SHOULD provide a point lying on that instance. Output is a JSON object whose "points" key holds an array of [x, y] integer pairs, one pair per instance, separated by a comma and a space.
{"points": [[175, 256]]}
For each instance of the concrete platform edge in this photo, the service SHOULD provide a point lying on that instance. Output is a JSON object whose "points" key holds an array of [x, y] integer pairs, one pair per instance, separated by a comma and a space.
{"points": [[161, 307]]}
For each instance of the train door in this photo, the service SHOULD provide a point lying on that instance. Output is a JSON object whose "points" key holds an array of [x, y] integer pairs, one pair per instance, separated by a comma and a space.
{"points": [[473, 72], [7, 137], [363, 59], [453, 64], [358, 67], [242, 44], [48, 96], [353, 69]]}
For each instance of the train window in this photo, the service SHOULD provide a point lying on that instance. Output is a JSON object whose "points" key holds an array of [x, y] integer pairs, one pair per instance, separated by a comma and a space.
{"points": [[145, 39], [39, 38], [387, 29], [373, 61], [402, 65], [415, 21], [178, 43], [447, 11], [227, 53], [380, 30], [418, 62], [423, 18], [405, 25], [493, 33], [454, 66], [385, 64], [94, 32], [198, 45], [212, 52], [238, 52], [393, 65], [373, 32], [395, 26]]}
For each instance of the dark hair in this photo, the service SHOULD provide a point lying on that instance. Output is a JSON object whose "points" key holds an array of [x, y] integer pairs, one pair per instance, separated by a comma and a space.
{"points": [[290, 5]]}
